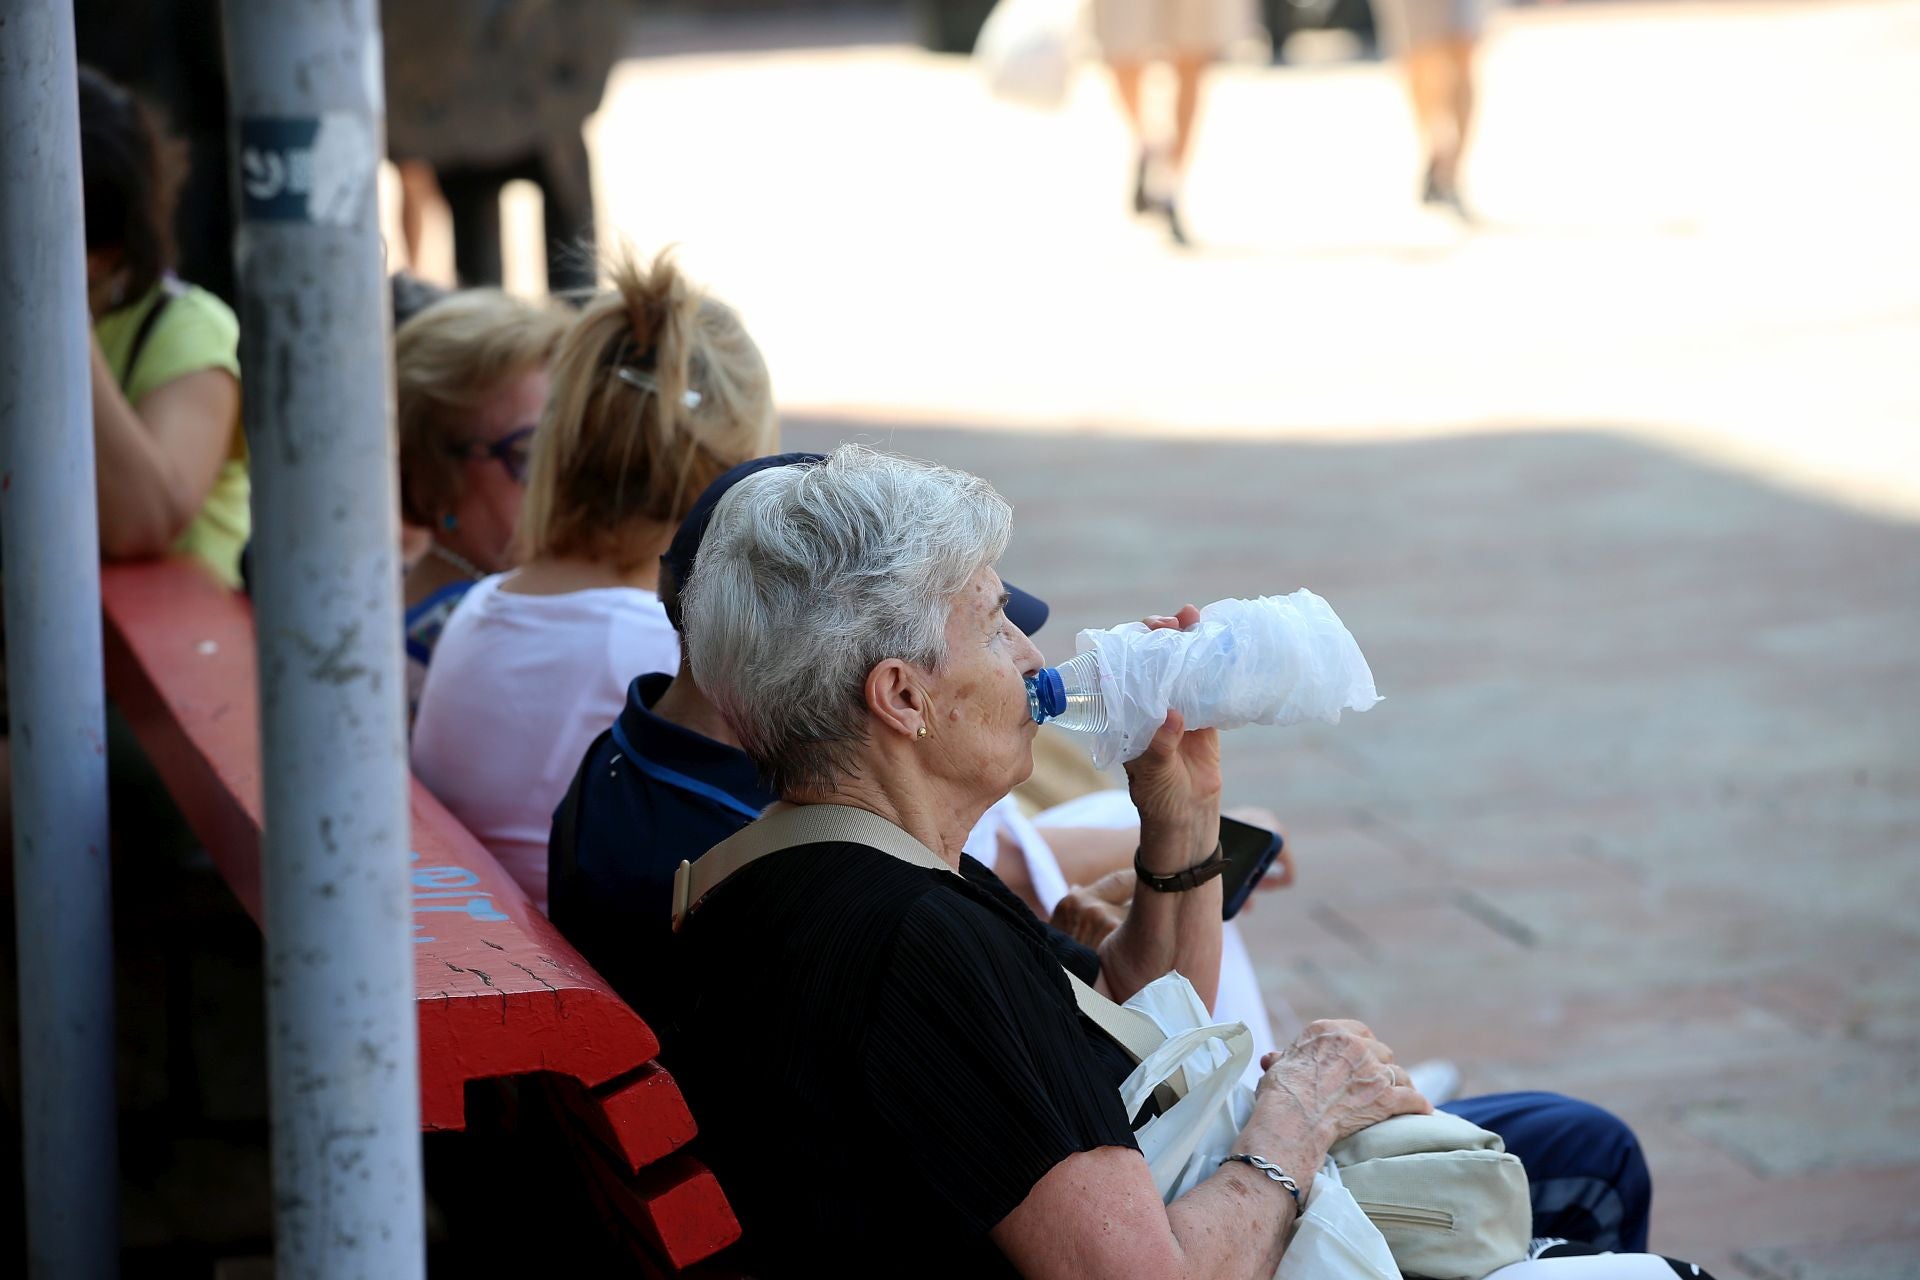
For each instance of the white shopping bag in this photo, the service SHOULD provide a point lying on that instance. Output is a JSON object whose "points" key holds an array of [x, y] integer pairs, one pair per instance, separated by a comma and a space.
{"points": [[1026, 50], [1332, 1240], [1183, 1145]]}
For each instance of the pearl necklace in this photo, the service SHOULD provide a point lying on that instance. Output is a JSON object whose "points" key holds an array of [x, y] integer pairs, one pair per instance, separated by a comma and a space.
{"points": [[458, 561]]}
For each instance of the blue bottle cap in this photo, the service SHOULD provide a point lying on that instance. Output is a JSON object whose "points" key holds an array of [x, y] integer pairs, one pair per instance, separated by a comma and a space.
{"points": [[1050, 693]]}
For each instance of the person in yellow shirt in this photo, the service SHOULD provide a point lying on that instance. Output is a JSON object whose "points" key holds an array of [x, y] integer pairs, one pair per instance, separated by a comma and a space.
{"points": [[170, 459], [169, 455]]}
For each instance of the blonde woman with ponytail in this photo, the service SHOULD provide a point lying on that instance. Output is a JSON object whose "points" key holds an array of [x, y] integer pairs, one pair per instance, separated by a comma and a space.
{"points": [[655, 392]]}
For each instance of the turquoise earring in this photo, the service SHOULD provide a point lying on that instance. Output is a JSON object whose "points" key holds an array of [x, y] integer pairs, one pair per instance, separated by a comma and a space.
{"points": [[448, 523]]}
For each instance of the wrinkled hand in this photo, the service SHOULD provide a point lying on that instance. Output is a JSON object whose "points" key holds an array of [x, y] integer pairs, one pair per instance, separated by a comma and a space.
{"points": [[1090, 912], [1340, 1078], [1175, 783]]}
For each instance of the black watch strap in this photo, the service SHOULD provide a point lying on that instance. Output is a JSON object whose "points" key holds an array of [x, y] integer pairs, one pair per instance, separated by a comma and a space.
{"points": [[1181, 881]]}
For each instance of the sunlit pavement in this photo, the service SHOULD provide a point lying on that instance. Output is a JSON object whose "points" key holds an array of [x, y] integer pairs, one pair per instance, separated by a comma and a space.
{"points": [[1698, 223], [1617, 489]]}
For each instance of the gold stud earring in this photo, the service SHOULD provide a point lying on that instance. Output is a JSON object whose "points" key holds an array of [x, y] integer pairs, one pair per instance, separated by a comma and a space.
{"points": [[921, 732]]}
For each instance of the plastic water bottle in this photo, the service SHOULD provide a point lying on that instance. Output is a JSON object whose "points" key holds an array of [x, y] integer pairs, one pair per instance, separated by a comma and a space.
{"points": [[1069, 695], [1269, 660]]}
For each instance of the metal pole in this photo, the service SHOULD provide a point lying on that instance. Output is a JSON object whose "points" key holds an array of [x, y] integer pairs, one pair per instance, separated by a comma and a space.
{"points": [[62, 893], [305, 80]]}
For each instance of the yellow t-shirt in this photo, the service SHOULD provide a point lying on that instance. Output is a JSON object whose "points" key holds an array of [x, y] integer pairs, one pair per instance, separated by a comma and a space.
{"points": [[197, 331]]}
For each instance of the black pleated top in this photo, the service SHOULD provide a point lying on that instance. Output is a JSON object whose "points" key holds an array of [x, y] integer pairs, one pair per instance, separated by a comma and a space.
{"points": [[884, 1060]]}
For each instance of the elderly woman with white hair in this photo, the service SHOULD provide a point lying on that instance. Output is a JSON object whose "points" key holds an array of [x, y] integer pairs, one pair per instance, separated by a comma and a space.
{"points": [[889, 1066]]}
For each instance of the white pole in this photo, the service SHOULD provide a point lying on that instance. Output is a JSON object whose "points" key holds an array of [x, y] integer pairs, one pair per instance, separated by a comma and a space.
{"points": [[305, 81], [62, 893]]}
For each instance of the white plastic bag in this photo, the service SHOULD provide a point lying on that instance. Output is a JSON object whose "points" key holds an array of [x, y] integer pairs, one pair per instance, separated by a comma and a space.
{"points": [[1332, 1240], [1026, 48], [1184, 1144], [1270, 660]]}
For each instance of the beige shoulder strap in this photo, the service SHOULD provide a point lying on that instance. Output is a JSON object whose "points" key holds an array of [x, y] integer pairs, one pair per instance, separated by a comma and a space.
{"points": [[787, 829], [824, 823]]}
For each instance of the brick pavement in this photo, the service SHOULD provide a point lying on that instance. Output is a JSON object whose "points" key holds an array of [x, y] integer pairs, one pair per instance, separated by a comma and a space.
{"points": [[1618, 492], [1637, 819]]}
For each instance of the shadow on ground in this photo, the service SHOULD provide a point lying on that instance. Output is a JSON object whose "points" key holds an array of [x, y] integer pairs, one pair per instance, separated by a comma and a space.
{"points": [[1637, 819]]}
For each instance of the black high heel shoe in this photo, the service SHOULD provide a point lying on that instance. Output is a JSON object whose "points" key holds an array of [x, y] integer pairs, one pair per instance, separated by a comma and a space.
{"points": [[1176, 229], [1443, 193]]}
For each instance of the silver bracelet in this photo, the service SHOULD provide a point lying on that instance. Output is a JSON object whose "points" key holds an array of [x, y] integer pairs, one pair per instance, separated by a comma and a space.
{"points": [[1273, 1172]]}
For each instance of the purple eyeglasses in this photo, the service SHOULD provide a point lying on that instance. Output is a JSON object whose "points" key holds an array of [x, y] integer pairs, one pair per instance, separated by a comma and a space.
{"points": [[513, 451]]}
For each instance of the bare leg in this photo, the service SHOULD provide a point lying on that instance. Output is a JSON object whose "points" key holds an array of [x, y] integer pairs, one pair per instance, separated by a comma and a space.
{"points": [[1188, 68], [418, 189], [1126, 81], [1460, 56], [1430, 85]]}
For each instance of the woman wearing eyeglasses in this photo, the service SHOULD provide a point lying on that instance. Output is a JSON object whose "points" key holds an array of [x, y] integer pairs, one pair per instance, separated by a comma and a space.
{"points": [[471, 379], [655, 391]]}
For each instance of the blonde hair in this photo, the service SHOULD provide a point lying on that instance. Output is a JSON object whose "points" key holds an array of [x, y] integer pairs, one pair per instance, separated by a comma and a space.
{"points": [[621, 452], [447, 362]]}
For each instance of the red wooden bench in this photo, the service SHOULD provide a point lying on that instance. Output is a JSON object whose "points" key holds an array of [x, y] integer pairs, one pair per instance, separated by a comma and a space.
{"points": [[499, 992]]}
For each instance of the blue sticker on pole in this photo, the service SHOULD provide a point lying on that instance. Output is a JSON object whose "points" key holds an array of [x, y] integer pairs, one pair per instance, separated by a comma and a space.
{"points": [[315, 169]]}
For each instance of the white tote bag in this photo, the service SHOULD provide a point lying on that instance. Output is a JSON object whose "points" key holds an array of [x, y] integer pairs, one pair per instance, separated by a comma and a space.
{"points": [[1026, 50], [1332, 1240], [1183, 1145]]}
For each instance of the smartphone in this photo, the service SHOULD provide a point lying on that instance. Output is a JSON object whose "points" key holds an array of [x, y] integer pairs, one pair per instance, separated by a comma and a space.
{"points": [[1249, 850]]}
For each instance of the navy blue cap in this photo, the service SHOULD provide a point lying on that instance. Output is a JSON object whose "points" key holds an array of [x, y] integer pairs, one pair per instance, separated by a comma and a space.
{"points": [[1024, 610], [1027, 612]]}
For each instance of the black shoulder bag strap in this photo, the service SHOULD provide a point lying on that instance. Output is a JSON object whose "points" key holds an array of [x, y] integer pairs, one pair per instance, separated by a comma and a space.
{"points": [[168, 290]]}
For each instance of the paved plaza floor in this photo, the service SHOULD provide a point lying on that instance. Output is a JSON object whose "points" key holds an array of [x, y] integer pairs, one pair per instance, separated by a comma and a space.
{"points": [[1617, 489]]}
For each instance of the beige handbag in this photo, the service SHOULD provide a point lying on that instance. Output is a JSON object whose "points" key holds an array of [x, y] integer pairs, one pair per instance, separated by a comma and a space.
{"points": [[1446, 1194]]}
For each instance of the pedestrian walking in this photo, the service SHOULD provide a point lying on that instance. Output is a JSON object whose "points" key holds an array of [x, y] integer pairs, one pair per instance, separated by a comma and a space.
{"points": [[1187, 36], [1436, 40]]}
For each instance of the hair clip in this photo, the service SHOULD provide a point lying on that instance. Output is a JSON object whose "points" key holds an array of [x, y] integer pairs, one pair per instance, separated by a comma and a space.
{"points": [[644, 382]]}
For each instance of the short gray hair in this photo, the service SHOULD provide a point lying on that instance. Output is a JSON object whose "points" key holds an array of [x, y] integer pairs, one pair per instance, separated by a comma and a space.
{"points": [[811, 575]]}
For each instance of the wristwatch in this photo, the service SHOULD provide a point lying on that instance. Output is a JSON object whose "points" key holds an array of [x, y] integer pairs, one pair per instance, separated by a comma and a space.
{"points": [[1180, 881]]}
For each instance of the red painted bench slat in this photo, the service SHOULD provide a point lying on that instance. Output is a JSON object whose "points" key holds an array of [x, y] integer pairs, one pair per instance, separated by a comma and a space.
{"points": [[498, 990], [675, 1208], [638, 1119]]}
